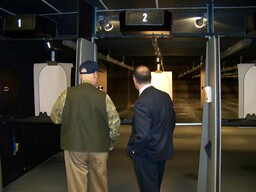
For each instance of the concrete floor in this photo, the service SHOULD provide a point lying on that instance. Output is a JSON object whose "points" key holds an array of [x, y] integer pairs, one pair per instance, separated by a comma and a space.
{"points": [[238, 165], [238, 161]]}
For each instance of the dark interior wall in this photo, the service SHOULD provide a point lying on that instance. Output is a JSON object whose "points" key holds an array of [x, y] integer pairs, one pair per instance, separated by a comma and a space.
{"points": [[229, 88], [21, 56], [36, 141], [190, 88], [120, 86], [186, 88], [23, 146]]}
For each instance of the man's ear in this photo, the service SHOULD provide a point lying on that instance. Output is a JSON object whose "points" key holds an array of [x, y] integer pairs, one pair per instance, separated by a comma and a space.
{"points": [[134, 80]]}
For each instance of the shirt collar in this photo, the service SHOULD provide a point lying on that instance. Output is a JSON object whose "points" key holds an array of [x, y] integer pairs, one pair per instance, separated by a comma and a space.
{"points": [[87, 81], [143, 88]]}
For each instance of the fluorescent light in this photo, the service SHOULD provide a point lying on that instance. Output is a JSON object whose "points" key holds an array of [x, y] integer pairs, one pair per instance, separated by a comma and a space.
{"points": [[48, 45]]}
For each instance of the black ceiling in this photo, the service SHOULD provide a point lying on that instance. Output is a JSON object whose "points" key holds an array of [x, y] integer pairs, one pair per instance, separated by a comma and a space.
{"points": [[183, 49]]}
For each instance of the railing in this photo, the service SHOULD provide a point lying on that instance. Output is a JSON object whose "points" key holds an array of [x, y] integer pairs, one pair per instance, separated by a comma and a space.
{"points": [[241, 122]]}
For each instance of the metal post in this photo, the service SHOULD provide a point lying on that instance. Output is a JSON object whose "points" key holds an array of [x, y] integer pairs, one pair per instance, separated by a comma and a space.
{"points": [[209, 174]]}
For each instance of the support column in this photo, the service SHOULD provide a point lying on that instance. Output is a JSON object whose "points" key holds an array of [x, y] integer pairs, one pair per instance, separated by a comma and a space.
{"points": [[209, 174]]}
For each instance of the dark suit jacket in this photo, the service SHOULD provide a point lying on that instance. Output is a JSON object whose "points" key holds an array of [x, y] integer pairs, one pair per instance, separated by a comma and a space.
{"points": [[152, 127]]}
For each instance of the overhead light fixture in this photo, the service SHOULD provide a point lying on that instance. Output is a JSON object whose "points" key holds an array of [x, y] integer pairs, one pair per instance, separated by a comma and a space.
{"points": [[48, 43], [104, 24], [51, 46], [108, 27], [200, 22], [157, 59]]}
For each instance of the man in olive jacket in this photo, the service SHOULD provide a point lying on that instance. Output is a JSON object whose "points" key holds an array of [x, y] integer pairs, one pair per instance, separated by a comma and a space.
{"points": [[90, 126]]}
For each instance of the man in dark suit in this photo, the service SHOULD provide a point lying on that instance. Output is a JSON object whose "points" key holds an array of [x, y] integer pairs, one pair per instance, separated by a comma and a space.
{"points": [[151, 140]]}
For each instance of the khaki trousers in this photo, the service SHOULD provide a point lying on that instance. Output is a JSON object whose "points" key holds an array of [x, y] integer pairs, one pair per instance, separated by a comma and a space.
{"points": [[86, 171]]}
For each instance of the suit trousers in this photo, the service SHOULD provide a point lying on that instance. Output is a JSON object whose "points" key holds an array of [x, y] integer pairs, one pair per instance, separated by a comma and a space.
{"points": [[86, 171], [149, 174]]}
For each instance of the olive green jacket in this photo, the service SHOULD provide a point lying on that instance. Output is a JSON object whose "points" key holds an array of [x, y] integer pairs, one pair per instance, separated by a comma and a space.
{"points": [[89, 120]]}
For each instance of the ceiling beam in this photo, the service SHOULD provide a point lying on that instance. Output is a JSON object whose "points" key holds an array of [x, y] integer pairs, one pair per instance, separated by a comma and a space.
{"points": [[54, 8], [103, 4], [111, 60], [236, 47]]}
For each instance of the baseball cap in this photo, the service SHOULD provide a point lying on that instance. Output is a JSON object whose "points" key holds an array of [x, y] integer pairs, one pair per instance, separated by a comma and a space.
{"points": [[88, 67]]}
